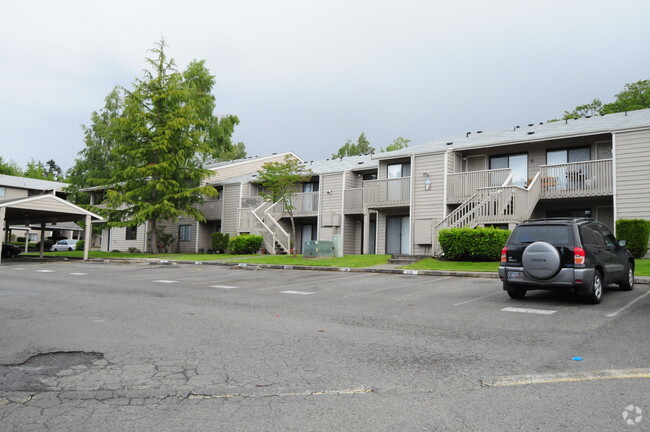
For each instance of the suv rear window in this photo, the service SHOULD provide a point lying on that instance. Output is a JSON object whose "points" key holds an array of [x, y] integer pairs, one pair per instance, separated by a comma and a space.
{"points": [[554, 234]]}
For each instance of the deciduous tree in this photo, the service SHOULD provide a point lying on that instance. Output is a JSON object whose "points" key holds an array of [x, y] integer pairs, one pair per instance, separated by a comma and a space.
{"points": [[280, 181], [397, 144], [362, 146]]}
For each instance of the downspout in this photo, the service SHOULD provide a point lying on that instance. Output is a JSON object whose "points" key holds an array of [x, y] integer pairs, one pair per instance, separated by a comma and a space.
{"points": [[196, 245], [411, 205], [444, 183], [614, 206], [342, 233]]}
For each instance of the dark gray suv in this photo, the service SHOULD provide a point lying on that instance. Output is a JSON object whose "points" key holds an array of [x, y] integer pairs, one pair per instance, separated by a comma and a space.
{"points": [[578, 254]]}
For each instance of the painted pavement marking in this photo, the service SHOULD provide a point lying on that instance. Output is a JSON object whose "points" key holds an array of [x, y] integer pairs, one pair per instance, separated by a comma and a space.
{"points": [[44, 271], [223, 286], [166, 281], [396, 286], [530, 311], [296, 292], [79, 274], [627, 306], [477, 298], [310, 282], [608, 374]]}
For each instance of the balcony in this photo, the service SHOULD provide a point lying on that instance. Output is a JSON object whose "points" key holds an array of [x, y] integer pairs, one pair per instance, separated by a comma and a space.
{"points": [[304, 204], [387, 193], [461, 186], [211, 208], [577, 179]]}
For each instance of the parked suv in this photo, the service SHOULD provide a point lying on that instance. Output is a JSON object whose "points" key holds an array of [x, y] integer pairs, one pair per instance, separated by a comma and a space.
{"points": [[578, 254]]}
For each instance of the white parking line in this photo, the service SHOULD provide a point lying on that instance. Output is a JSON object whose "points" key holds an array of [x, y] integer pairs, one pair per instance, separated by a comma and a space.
{"points": [[44, 271], [627, 306], [166, 281], [317, 281], [296, 292], [396, 286], [78, 274], [223, 286], [477, 298], [531, 311]]}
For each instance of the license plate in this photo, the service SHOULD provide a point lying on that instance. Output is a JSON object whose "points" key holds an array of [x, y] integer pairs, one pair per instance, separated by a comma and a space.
{"points": [[515, 275]]}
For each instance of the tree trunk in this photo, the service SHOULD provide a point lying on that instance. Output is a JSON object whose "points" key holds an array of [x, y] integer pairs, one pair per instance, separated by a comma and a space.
{"points": [[153, 236], [293, 235]]}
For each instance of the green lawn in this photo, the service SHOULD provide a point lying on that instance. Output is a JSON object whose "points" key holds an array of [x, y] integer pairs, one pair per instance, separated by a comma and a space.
{"points": [[434, 264], [345, 261], [642, 267]]}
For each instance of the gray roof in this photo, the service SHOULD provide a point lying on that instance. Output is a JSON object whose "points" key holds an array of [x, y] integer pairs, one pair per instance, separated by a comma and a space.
{"points": [[247, 159], [350, 163], [531, 133], [30, 183]]}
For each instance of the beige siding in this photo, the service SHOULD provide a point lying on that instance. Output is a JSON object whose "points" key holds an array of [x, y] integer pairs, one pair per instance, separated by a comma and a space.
{"points": [[353, 232], [429, 204], [242, 168], [119, 242], [632, 175], [231, 200], [331, 194], [11, 193], [381, 233]]}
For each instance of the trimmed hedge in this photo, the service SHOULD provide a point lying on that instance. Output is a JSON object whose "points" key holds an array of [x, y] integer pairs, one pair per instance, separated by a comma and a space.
{"points": [[245, 244], [473, 244], [80, 245], [637, 233], [220, 242]]}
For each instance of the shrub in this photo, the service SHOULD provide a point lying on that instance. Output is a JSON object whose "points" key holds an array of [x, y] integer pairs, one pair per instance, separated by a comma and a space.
{"points": [[20, 239], [220, 242], [245, 244], [478, 244], [134, 250], [637, 233], [80, 245]]}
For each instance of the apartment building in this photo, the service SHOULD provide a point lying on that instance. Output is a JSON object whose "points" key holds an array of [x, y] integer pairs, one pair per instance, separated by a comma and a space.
{"points": [[500, 178], [396, 202]]}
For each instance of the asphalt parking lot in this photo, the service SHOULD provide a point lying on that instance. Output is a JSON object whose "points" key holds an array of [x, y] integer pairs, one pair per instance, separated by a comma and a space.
{"points": [[92, 346]]}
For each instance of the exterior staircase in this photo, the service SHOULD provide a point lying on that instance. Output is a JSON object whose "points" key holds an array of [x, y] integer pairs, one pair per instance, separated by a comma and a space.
{"points": [[493, 205], [266, 223]]}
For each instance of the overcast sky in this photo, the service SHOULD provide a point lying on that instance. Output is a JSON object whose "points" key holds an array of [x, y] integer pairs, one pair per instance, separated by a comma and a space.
{"points": [[306, 76]]}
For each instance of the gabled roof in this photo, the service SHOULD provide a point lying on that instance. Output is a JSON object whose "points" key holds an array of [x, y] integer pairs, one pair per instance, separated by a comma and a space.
{"points": [[215, 165], [536, 132], [328, 166], [30, 183], [43, 208]]}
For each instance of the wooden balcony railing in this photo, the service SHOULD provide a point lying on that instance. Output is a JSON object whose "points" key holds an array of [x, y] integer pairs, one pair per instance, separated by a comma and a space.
{"points": [[387, 193], [577, 179], [211, 208], [461, 186], [304, 204]]}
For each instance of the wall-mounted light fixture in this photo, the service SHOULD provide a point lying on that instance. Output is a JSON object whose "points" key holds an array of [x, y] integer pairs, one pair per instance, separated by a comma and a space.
{"points": [[425, 174]]}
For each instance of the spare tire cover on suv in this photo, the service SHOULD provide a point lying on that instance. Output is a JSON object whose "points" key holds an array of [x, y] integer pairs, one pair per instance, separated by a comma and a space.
{"points": [[541, 260]]}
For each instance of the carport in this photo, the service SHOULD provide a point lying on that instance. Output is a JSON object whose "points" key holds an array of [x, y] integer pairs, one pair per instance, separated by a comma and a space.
{"points": [[44, 210]]}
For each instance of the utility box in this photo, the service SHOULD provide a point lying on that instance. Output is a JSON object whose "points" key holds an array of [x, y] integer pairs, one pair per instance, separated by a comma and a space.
{"points": [[318, 248], [337, 239]]}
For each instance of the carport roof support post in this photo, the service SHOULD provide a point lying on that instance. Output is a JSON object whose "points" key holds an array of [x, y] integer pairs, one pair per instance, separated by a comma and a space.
{"points": [[87, 234], [5, 228]]}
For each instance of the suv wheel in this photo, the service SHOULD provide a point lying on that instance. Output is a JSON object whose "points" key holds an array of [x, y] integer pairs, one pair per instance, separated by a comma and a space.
{"points": [[628, 283], [597, 290]]}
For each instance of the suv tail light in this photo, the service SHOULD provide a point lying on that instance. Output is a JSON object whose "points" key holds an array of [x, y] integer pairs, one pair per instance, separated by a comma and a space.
{"points": [[578, 256], [504, 255]]}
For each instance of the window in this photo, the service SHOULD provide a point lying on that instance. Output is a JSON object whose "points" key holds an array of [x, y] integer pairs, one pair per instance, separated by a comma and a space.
{"points": [[3, 191], [399, 170], [184, 233], [518, 164], [370, 176], [581, 154], [131, 233]]}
